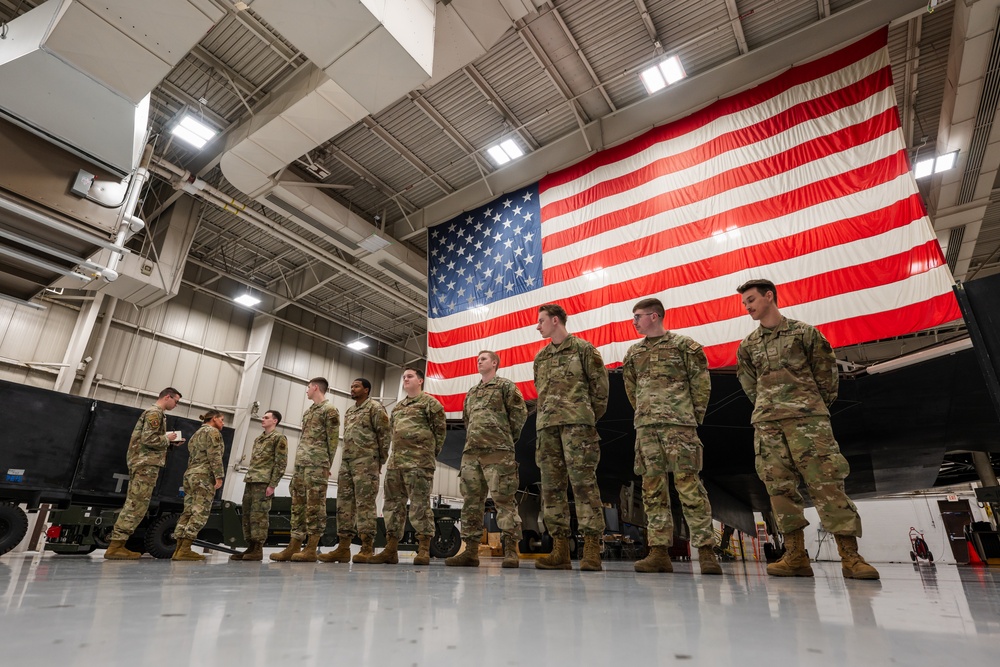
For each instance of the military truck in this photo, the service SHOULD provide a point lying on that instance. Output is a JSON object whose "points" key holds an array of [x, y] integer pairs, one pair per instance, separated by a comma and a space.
{"points": [[69, 452]]}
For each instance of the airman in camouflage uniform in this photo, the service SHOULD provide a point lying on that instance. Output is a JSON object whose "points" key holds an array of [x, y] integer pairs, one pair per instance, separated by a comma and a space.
{"points": [[147, 453], [418, 430], [789, 371], [667, 382], [313, 458], [203, 476], [572, 385], [268, 460], [494, 414], [366, 448]]}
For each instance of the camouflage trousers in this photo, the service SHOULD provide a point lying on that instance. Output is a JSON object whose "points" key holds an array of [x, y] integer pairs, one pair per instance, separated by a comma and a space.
{"points": [[357, 488], [569, 454], [141, 481], [308, 501], [256, 512], [413, 484], [802, 451], [495, 473], [199, 491], [659, 452]]}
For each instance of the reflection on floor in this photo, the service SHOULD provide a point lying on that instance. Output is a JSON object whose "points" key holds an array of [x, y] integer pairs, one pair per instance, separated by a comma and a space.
{"points": [[88, 611]]}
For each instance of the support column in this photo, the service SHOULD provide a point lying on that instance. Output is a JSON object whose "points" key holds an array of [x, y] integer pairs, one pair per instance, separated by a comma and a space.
{"points": [[82, 330], [253, 369]]}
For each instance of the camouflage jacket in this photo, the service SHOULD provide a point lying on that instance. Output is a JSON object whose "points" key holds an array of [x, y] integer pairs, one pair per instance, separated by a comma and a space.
{"points": [[148, 444], [572, 383], [494, 414], [268, 459], [667, 381], [366, 432], [205, 452], [789, 371], [320, 434], [418, 430]]}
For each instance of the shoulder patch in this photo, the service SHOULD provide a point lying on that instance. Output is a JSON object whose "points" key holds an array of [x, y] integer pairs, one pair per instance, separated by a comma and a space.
{"points": [[154, 420]]}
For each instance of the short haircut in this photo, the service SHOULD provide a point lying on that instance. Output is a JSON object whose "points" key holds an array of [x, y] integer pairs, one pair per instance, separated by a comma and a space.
{"points": [[652, 304], [554, 310], [170, 391], [209, 416], [420, 373], [761, 285], [365, 382], [493, 355], [275, 414], [321, 383]]}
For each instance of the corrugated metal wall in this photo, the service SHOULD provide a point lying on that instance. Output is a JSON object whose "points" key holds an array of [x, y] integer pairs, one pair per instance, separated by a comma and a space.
{"points": [[189, 343]]}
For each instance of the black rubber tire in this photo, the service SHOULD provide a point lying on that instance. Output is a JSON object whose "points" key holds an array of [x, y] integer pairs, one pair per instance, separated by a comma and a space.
{"points": [[446, 546], [102, 536], [159, 540], [930, 557], [913, 557], [13, 527]]}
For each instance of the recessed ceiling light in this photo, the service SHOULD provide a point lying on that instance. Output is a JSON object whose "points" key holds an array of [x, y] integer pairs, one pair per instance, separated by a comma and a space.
{"points": [[193, 131]]}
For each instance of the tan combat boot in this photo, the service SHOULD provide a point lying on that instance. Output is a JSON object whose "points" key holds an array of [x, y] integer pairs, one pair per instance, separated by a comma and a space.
{"points": [[591, 561], [239, 556], [558, 559], [308, 554], [468, 558], [389, 554], [657, 560], [342, 554], [184, 552], [117, 551], [423, 556], [795, 562], [510, 555], [255, 551], [851, 562], [706, 558], [286, 554], [366, 553]]}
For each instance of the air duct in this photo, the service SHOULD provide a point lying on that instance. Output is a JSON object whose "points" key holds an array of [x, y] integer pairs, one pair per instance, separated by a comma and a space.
{"points": [[366, 55], [78, 72]]}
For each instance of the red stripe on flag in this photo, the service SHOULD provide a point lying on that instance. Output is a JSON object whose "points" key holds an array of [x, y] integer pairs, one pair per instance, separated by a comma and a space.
{"points": [[785, 81], [874, 326], [737, 139]]}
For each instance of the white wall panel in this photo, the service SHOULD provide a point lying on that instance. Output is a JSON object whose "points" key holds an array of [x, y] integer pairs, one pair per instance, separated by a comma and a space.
{"points": [[27, 334]]}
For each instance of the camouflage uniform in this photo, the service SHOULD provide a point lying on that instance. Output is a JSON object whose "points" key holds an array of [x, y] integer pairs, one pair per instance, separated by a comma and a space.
{"points": [[667, 382], [418, 429], [494, 414], [366, 448], [268, 461], [313, 458], [204, 467], [790, 375], [147, 453], [572, 385]]}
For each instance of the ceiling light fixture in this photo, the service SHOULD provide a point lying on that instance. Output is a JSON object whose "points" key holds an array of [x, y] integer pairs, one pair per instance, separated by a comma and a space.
{"points": [[505, 151], [663, 74], [248, 300], [193, 131], [358, 345], [932, 165]]}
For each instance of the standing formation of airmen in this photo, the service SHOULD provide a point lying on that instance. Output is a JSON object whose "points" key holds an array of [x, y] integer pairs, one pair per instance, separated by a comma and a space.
{"points": [[787, 369]]}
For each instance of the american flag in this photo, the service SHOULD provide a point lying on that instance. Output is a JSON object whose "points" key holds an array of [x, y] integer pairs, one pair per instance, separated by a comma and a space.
{"points": [[803, 180]]}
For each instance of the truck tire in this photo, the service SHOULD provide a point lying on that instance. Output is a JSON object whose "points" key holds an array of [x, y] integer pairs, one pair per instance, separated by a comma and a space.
{"points": [[446, 546], [159, 539], [13, 527]]}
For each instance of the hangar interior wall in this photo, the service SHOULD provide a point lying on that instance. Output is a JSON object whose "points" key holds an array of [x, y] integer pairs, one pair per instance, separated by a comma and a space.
{"points": [[198, 344]]}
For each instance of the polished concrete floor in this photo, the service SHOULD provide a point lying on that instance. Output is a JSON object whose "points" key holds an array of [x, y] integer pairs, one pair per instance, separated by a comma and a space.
{"points": [[88, 611]]}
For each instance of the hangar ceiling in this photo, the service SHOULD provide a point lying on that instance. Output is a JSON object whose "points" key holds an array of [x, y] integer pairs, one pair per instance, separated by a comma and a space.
{"points": [[561, 79]]}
